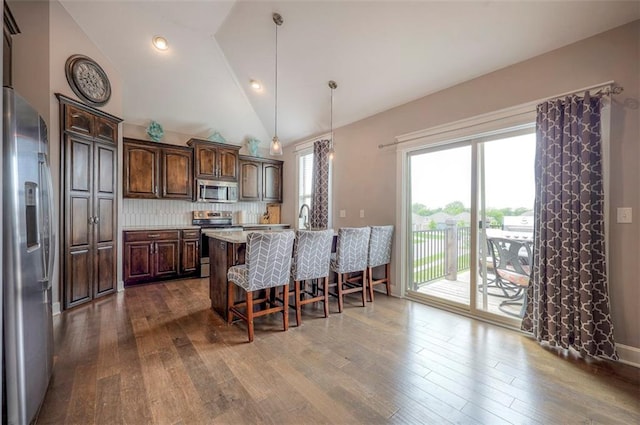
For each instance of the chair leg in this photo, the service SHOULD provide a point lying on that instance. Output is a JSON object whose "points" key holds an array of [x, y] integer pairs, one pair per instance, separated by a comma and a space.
{"points": [[364, 286], [285, 306], [250, 315], [370, 283], [230, 301], [387, 270], [326, 296], [297, 284], [340, 294]]}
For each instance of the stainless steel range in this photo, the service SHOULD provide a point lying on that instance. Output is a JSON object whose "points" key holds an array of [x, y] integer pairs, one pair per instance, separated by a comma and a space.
{"points": [[218, 220]]}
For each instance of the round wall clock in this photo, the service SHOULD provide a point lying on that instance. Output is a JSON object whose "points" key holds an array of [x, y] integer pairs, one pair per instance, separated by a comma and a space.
{"points": [[88, 80]]}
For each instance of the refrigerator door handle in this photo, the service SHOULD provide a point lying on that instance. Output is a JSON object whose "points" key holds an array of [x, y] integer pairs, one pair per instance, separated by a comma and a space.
{"points": [[49, 218]]}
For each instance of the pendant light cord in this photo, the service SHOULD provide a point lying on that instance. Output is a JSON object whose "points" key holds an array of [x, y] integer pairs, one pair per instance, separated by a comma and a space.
{"points": [[332, 86], [275, 125], [332, 117]]}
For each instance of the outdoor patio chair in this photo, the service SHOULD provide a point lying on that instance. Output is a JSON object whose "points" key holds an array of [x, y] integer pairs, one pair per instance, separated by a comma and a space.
{"points": [[495, 285], [513, 261]]}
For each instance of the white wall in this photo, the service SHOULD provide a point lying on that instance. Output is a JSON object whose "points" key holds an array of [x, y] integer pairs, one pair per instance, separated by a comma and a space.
{"points": [[66, 39], [365, 176]]}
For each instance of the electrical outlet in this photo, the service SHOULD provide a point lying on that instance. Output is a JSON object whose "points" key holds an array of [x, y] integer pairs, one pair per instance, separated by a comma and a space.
{"points": [[361, 213], [625, 215], [343, 213]]}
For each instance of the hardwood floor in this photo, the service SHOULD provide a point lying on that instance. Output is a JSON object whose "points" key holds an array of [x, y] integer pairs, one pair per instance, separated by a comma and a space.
{"points": [[458, 292], [156, 354]]}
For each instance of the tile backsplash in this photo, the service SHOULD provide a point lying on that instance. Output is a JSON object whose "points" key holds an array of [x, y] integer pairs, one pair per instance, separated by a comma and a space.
{"points": [[156, 212]]}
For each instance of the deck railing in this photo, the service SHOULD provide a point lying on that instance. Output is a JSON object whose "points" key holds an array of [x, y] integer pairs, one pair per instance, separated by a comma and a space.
{"points": [[440, 253]]}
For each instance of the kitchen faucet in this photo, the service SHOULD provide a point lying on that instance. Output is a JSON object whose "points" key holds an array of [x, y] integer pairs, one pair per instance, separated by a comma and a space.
{"points": [[306, 218]]}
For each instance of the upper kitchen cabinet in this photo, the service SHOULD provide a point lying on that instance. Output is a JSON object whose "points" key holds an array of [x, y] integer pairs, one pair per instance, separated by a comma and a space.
{"points": [[215, 161], [260, 179], [157, 170]]}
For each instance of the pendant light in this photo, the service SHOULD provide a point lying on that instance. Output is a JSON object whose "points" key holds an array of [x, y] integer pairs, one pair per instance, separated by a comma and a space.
{"points": [[276, 147], [332, 86]]}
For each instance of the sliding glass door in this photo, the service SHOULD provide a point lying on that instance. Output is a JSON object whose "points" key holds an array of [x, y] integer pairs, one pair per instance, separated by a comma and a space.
{"points": [[464, 197], [441, 223], [505, 222]]}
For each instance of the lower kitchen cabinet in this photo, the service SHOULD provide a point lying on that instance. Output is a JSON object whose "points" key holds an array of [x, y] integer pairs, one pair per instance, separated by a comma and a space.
{"points": [[160, 255], [190, 253]]}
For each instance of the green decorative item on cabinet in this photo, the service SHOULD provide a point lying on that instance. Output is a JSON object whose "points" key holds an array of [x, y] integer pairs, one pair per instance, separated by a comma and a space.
{"points": [[155, 131], [252, 146], [216, 137]]}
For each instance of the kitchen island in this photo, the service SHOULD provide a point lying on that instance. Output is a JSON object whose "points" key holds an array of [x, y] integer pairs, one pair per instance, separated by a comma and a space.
{"points": [[226, 249]]}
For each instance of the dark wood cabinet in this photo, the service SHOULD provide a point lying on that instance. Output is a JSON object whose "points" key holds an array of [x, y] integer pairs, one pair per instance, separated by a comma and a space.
{"points": [[223, 255], [272, 181], [190, 253], [250, 180], [260, 179], [89, 238], [177, 173], [141, 171], [151, 255], [10, 29], [156, 170], [215, 161]]}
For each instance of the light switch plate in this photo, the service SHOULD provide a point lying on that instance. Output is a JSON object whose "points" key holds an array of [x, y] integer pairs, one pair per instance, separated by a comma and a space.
{"points": [[625, 215], [343, 213], [361, 213]]}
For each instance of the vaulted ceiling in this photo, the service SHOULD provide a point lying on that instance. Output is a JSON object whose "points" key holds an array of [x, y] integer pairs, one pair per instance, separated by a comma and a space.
{"points": [[381, 54]]}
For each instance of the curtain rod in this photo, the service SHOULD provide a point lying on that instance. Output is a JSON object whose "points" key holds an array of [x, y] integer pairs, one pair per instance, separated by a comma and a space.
{"points": [[606, 89]]}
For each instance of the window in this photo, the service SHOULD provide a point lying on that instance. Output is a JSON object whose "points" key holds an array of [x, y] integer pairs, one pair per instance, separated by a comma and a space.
{"points": [[304, 183], [305, 176]]}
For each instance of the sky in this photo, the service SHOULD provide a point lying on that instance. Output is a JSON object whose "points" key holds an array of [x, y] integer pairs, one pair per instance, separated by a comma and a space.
{"points": [[444, 176]]}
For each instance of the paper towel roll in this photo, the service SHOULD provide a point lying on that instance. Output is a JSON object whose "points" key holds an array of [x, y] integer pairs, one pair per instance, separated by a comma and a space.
{"points": [[242, 217]]}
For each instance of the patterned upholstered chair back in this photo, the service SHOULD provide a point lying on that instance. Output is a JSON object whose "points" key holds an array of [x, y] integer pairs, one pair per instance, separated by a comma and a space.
{"points": [[352, 249], [268, 259], [380, 245], [311, 254]]}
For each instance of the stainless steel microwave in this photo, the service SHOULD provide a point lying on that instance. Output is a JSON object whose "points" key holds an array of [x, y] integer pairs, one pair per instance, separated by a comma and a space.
{"points": [[216, 191]]}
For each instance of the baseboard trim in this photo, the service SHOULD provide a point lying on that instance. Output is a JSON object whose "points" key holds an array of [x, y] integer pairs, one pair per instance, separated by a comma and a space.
{"points": [[120, 286], [628, 355], [56, 308]]}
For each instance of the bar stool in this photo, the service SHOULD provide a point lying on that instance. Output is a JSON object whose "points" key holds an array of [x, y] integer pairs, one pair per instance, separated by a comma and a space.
{"points": [[311, 256], [268, 265], [351, 257], [380, 255]]}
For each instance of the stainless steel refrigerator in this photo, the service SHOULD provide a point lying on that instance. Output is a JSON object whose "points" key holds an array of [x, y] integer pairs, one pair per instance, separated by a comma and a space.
{"points": [[28, 255]]}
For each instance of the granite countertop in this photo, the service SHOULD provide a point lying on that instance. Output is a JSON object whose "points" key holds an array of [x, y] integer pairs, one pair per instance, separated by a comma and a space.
{"points": [[162, 227], [233, 236], [264, 225]]}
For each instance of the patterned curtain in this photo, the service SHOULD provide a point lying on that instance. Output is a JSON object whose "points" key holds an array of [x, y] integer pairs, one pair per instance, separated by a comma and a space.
{"points": [[568, 300], [320, 186]]}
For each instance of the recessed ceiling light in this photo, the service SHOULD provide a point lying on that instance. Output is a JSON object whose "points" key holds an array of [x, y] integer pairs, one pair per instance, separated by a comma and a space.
{"points": [[160, 43], [255, 85]]}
